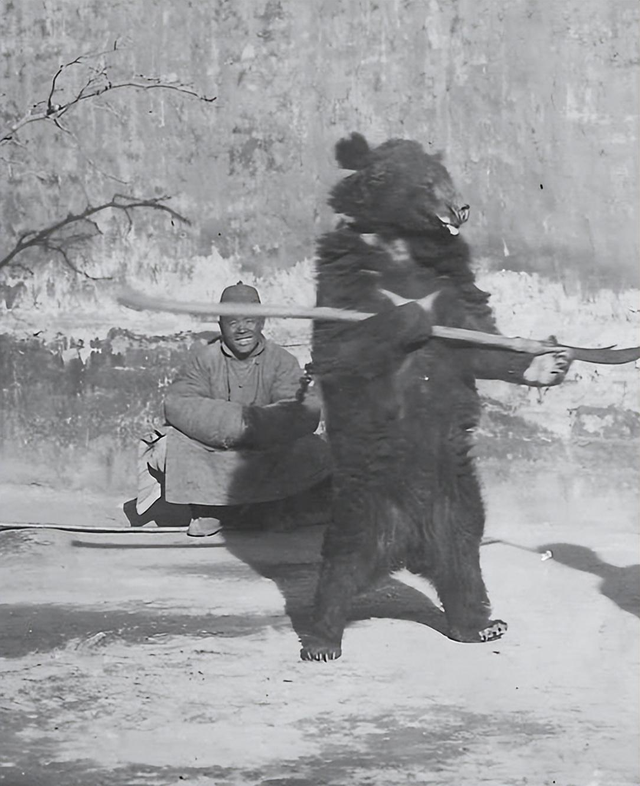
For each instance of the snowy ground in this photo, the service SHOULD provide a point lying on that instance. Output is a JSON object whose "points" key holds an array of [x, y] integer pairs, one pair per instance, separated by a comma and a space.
{"points": [[136, 658]]}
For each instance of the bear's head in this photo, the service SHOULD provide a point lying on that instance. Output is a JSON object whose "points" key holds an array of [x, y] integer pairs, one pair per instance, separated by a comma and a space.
{"points": [[396, 187]]}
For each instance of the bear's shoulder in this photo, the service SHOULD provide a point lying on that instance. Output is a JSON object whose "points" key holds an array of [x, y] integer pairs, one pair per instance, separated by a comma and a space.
{"points": [[342, 242]]}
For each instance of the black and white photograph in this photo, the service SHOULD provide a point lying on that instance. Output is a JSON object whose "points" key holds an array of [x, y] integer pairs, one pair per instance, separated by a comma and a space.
{"points": [[319, 393]]}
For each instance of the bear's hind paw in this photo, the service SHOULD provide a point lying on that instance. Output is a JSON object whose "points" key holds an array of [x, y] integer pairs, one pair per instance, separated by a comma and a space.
{"points": [[320, 650], [495, 629]]}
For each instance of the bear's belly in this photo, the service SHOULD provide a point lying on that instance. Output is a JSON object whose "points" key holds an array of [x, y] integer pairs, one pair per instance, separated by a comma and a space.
{"points": [[401, 425]]}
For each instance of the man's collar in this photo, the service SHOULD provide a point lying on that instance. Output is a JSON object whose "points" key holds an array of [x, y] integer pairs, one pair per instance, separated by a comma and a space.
{"points": [[257, 350]]}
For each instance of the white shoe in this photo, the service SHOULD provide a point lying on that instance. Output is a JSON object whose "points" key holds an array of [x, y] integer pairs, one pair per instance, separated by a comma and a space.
{"points": [[203, 527]]}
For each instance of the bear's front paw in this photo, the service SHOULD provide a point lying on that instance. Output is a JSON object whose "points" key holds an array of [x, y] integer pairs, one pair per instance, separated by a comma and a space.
{"points": [[548, 369]]}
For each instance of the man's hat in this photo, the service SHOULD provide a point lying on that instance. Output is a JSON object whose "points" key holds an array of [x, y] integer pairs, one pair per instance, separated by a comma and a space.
{"points": [[240, 293]]}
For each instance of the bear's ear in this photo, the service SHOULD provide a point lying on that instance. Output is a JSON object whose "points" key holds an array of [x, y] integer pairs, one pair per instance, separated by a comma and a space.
{"points": [[353, 152]]}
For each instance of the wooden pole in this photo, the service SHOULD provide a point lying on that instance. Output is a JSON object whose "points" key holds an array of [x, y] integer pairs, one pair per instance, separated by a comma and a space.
{"points": [[141, 302]]}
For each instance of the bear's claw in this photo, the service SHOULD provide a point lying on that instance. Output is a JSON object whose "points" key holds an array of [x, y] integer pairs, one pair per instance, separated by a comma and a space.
{"points": [[320, 651], [494, 630]]}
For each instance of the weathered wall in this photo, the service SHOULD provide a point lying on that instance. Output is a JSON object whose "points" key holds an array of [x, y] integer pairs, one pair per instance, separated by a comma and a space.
{"points": [[76, 393], [535, 104], [71, 413]]}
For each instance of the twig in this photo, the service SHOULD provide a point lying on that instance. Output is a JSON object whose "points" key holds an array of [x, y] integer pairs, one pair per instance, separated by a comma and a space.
{"points": [[65, 258], [97, 84], [48, 239]]}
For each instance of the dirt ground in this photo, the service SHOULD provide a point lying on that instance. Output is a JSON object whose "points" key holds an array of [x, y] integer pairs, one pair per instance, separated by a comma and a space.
{"points": [[141, 659]]}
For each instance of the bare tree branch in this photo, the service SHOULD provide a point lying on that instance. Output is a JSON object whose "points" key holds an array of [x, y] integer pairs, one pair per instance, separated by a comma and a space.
{"points": [[65, 258], [97, 83], [84, 78], [58, 239]]}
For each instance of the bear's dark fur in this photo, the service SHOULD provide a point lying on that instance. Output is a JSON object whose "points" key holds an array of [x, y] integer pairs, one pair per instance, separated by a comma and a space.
{"points": [[400, 406]]}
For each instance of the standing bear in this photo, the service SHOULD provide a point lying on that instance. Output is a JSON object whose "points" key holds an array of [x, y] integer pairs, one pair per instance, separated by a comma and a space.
{"points": [[401, 406]]}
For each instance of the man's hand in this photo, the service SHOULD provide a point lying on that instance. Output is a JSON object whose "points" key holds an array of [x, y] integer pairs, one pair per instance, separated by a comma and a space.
{"points": [[549, 369]]}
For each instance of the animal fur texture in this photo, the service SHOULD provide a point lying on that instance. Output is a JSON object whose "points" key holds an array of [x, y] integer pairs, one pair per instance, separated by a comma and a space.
{"points": [[400, 407]]}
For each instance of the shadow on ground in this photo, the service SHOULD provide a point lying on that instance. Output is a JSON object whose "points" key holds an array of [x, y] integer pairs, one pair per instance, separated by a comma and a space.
{"points": [[44, 627], [292, 561], [619, 584]]}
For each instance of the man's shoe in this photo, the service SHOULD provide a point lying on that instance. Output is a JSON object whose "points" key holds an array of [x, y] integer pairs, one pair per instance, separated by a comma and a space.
{"points": [[135, 520], [163, 513], [203, 527]]}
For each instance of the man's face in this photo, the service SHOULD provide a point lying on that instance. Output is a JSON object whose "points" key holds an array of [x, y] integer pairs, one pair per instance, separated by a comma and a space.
{"points": [[241, 334]]}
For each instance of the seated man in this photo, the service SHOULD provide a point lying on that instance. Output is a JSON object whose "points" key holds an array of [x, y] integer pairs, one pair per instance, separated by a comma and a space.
{"points": [[237, 441]]}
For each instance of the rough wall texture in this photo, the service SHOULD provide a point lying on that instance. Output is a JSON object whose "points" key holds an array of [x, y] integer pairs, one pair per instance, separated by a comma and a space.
{"points": [[76, 394], [71, 413], [534, 103]]}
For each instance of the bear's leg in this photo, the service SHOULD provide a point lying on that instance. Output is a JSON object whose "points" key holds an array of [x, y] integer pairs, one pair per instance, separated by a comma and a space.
{"points": [[459, 526], [351, 563], [341, 578], [464, 598]]}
